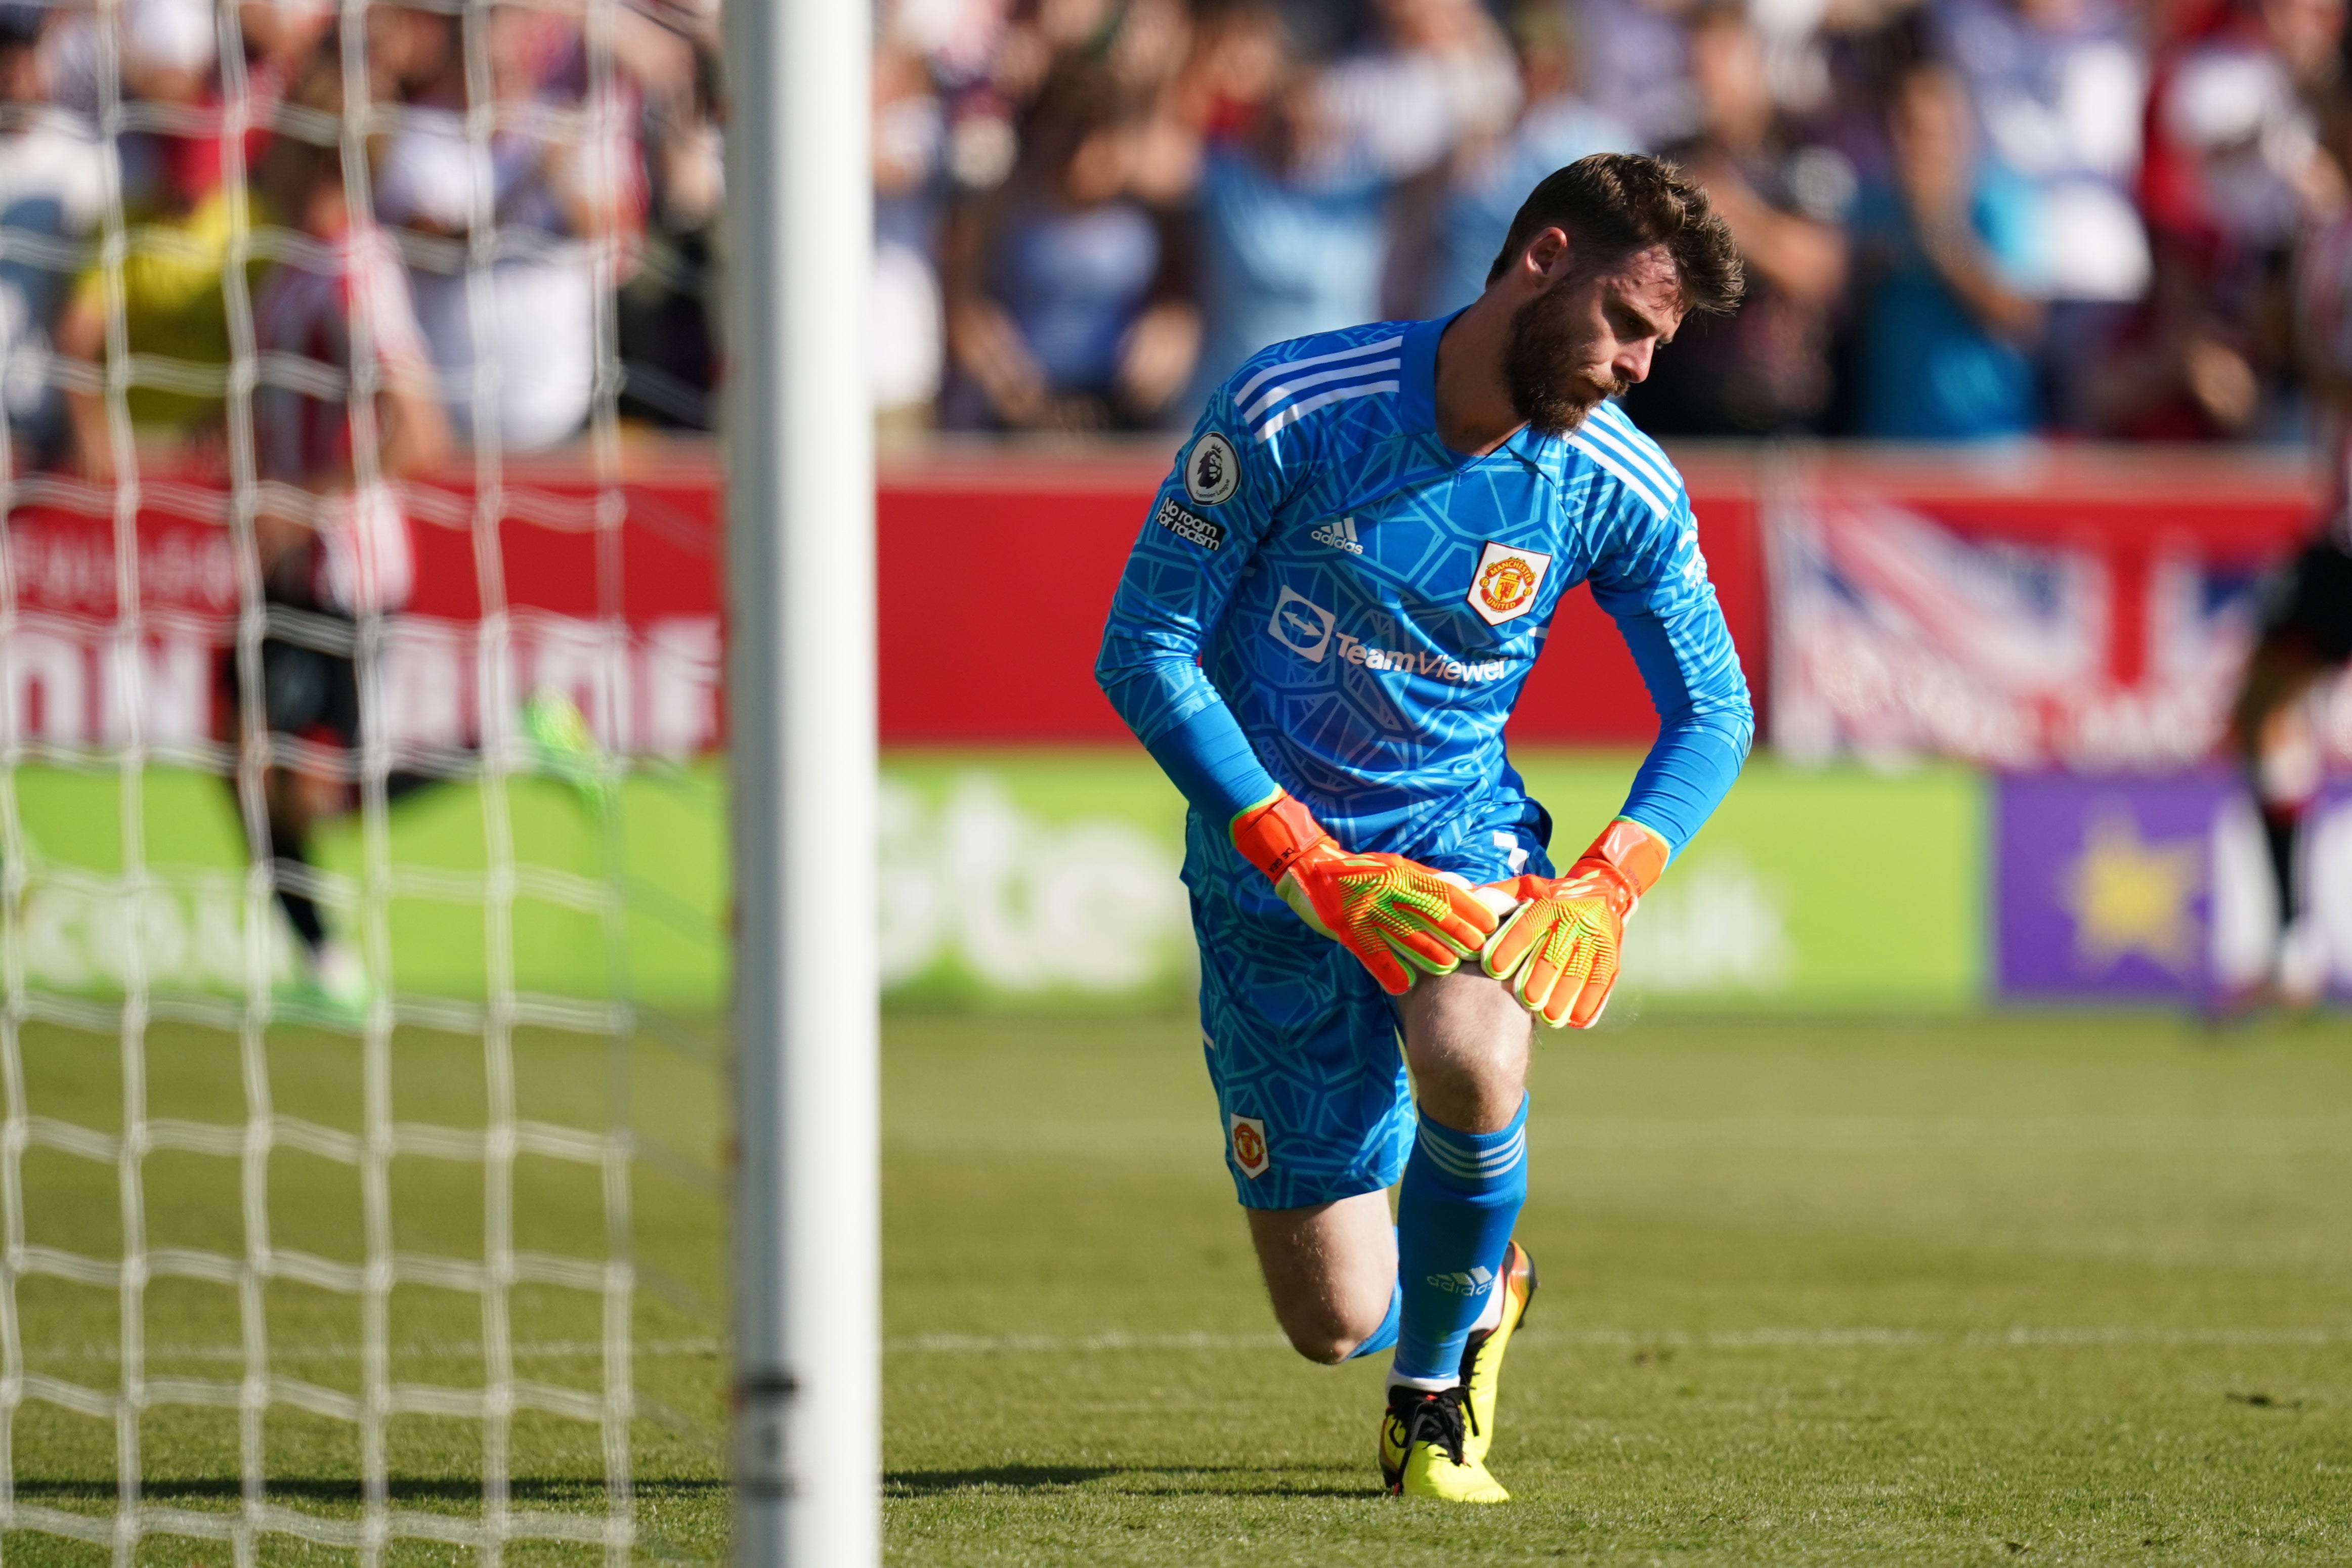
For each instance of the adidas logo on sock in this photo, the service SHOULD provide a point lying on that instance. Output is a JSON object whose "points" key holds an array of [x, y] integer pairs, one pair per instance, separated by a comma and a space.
{"points": [[1474, 1283]]}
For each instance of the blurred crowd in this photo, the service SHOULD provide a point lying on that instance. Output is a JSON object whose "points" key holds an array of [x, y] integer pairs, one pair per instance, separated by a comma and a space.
{"points": [[468, 215], [1962, 219]]}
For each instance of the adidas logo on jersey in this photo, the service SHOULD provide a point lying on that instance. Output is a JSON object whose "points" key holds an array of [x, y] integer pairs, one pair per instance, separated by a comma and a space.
{"points": [[1339, 535]]}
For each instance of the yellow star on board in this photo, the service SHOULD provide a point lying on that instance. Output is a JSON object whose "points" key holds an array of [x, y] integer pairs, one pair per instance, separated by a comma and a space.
{"points": [[2129, 895]]}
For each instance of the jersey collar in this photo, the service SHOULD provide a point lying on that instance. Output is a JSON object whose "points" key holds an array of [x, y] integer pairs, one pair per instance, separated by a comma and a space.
{"points": [[1417, 377], [1417, 407]]}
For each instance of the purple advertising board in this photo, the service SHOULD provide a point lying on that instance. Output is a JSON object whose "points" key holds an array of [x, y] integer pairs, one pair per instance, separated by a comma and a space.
{"points": [[2157, 887]]}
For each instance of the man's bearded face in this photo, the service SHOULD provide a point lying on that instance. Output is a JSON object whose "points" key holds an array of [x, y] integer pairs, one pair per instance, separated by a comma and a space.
{"points": [[1553, 360]]}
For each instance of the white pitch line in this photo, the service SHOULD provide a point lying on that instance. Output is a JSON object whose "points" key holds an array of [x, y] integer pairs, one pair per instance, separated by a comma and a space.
{"points": [[2021, 1336], [447, 1350], [990, 1344]]}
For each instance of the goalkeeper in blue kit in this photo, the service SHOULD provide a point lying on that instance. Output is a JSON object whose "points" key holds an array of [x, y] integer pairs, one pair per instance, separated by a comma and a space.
{"points": [[1320, 633]]}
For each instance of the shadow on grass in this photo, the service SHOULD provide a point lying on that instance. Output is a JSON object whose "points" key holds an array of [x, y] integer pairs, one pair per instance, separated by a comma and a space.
{"points": [[1132, 1480], [1142, 1480], [524, 1491]]}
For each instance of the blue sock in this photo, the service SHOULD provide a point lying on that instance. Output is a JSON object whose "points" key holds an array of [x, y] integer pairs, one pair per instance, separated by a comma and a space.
{"points": [[1385, 1335], [1462, 1195]]}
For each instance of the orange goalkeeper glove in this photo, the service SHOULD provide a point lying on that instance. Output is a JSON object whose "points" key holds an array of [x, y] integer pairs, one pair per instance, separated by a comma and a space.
{"points": [[1558, 951], [1388, 911]]}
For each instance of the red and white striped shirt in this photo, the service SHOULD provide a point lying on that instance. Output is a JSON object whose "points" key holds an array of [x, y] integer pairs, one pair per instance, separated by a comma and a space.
{"points": [[307, 323], [312, 324]]}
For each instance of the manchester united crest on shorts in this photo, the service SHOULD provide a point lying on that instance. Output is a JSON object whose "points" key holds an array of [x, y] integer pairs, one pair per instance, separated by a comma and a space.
{"points": [[1504, 586], [1249, 1145]]}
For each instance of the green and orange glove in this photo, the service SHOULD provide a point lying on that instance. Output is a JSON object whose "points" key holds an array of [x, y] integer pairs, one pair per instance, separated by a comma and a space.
{"points": [[1557, 952], [1397, 915]]}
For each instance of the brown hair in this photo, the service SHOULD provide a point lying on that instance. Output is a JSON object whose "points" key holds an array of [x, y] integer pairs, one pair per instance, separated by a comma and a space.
{"points": [[296, 161], [1614, 204]]}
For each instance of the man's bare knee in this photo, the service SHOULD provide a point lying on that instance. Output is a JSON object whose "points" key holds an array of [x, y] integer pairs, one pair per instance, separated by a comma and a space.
{"points": [[1325, 1351], [1329, 1270], [1327, 1338], [1467, 1039]]}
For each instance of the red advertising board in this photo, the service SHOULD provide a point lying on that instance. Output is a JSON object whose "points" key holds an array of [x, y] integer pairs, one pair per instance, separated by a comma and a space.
{"points": [[1011, 555], [997, 568], [545, 580], [994, 567]]}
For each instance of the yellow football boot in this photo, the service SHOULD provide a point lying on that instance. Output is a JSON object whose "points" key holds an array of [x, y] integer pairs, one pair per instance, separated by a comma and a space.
{"points": [[1482, 1358], [1421, 1449], [1392, 1443]]}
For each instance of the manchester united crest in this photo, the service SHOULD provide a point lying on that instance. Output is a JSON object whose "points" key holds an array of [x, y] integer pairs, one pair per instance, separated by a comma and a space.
{"points": [[1504, 584], [1249, 1144]]}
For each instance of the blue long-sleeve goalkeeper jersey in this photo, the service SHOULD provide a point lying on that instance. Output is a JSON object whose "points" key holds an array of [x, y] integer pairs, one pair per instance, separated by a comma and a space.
{"points": [[1327, 597]]}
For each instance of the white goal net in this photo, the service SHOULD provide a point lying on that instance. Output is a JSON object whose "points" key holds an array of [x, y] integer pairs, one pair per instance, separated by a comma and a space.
{"points": [[360, 887]]}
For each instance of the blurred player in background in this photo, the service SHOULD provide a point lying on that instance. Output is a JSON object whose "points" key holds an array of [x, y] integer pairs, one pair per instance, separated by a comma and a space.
{"points": [[348, 404], [1320, 633], [2305, 631], [2305, 636], [180, 215]]}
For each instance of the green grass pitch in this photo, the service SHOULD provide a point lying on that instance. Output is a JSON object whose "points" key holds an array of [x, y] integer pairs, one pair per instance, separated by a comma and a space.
{"points": [[2058, 1289], [2038, 1287]]}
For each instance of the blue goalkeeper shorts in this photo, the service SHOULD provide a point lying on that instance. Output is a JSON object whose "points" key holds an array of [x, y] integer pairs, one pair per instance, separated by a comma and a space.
{"points": [[1301, 1042]]}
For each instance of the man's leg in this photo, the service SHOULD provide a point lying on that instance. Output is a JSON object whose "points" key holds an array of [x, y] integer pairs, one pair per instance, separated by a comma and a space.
{"points": [[1467, 1041], [1331, 1270], [1317, 1111], [292, 799], [2284, 766], [313, 695]]}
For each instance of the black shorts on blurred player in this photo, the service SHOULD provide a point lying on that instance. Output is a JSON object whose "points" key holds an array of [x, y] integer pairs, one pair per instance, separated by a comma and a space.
{"points": [[2310, 605], [309, 691]]}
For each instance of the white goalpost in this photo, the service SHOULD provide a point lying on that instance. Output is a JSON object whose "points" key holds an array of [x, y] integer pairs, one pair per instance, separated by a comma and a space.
{"points": [[802, 636]]}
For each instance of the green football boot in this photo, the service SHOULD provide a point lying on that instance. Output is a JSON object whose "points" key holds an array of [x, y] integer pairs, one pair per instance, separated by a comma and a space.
{"points": [[563, 747]]}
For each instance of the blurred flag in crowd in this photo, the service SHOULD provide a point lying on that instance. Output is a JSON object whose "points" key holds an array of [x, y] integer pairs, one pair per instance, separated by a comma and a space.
{"points": [[1897, 636]]}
